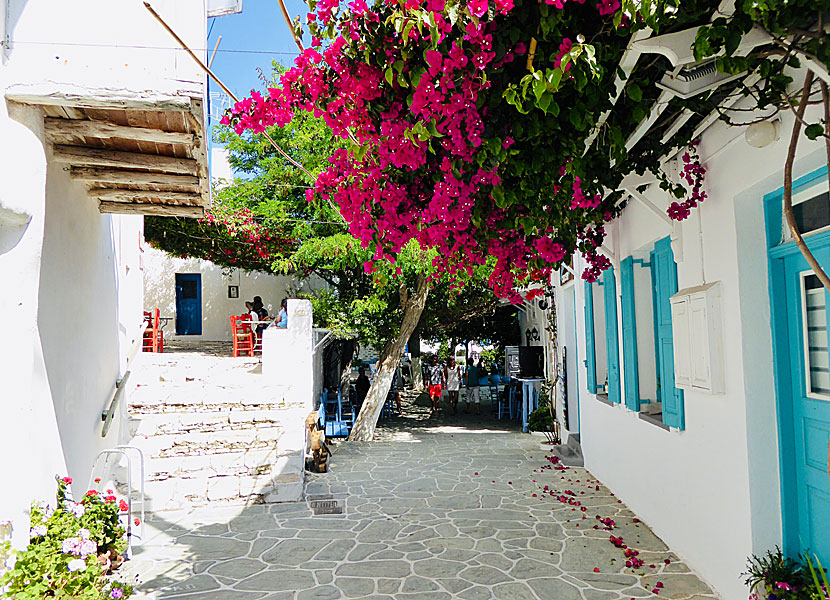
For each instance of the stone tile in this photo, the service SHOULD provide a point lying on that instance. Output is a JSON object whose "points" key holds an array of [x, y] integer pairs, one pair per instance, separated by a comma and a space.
{"points": [[238, 568], [420, 526], [292, 552], [278, 580]]}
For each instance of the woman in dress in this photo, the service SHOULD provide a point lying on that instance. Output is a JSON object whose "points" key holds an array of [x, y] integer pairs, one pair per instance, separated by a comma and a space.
{"points": [[452, 374]]}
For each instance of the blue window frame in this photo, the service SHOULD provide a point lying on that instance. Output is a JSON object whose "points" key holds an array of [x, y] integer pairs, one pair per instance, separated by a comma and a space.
{"points": [[602, 367]]}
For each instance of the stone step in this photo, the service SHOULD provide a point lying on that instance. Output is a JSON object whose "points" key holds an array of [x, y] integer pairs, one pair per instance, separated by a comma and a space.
{"points": [[169, 397], [248, 462], [199, 443], [168, 423], [281, 480]]}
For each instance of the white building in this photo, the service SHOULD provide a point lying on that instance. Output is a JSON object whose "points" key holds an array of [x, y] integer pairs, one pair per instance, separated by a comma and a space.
{"points": [[101, 122], [697, 367], [197, 297]]}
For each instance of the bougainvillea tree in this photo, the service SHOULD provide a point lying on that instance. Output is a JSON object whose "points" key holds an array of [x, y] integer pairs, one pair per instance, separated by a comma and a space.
{"points": [[484, 128], [503, 128]]}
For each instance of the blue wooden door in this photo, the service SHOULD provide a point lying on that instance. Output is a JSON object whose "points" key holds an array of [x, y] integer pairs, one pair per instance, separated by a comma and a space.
{"points": [[188, 304], [664, 281], [807, 302]]}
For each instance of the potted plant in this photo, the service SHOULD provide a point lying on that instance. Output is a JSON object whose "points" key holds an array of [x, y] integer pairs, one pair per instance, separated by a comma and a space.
{"points": [[776, 577]]}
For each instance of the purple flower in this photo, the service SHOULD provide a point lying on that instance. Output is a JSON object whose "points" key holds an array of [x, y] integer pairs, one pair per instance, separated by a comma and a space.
{"points": [[116, 593], [88, 547], [71, 546], [77, 564]]}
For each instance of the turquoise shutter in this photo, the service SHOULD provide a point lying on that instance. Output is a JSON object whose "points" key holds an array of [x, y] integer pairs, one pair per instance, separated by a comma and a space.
{"points": [[590, 355], [664, 274], [612, 343], [629, 336]]}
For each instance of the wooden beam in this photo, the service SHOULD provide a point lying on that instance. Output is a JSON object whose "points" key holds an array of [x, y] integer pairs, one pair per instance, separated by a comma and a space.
{"points": [[82, 156], [199, 148], [160, 210], [123, 177], [65, 94], [113, 195], [102, 129]]}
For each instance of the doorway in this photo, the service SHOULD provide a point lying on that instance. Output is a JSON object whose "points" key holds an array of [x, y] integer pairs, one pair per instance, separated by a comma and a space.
{"points": [[800, 336], [188, 304]]}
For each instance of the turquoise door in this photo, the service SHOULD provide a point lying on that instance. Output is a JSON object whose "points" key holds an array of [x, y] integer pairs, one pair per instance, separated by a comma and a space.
{"points": [[188, 304], [806, 442]]}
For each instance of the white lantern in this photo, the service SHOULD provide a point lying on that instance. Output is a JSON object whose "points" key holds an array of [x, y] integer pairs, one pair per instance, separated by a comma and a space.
{"points": [[760, 135]]}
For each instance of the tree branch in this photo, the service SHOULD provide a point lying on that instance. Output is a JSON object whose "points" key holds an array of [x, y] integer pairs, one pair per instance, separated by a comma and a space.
{"points": [[788, 186]]}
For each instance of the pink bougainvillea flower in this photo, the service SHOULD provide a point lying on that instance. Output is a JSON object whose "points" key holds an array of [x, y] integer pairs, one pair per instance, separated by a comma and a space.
{"points": [[477, 7], [596, 569], [565, 47], [608, 7]]}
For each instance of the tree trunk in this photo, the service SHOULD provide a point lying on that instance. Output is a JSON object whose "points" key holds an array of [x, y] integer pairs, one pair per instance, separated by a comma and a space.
{"points": [[415, 351], [788, 189], [788, 186], [390, 357]]}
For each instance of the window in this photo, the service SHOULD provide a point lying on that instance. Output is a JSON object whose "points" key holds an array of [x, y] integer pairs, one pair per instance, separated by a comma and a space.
{"points": [[601, 339], [648, 278], [815, 338]]}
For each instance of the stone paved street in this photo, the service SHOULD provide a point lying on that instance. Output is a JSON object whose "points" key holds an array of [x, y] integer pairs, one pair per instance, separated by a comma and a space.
{"points": [[431, 513]]}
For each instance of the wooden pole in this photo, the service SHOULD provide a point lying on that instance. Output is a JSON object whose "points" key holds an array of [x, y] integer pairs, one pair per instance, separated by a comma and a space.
{"points": [[213, 76], [215, 48], [287, 18]]}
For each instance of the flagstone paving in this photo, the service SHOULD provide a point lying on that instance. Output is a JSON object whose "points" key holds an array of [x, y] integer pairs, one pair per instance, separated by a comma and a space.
{"points": [[435, 510]]}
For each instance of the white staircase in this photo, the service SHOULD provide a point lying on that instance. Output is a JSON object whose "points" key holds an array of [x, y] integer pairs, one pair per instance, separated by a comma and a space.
{"points": [[213, 430]]}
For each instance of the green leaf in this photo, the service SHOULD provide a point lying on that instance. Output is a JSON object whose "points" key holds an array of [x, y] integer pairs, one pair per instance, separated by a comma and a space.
{"points": [[539, 88], [634, 92], [813, 131], [388, 75], [498, 196], [544, 102]]}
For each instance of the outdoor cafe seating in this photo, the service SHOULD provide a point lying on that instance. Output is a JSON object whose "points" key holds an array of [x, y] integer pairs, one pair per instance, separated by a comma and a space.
{"points": [[244, 339], [153, 335]]}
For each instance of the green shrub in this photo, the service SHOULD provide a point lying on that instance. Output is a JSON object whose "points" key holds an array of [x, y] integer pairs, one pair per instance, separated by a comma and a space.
{"points": [[61, 560]]}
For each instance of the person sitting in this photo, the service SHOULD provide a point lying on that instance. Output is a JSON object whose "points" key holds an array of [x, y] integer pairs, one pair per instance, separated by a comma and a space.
{"points": [[282, 318], [253, 319], [361, 386], [262, 312]]}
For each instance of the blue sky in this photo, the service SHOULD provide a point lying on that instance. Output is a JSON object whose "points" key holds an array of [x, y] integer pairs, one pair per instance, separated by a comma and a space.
{"points": [[251, 39]]}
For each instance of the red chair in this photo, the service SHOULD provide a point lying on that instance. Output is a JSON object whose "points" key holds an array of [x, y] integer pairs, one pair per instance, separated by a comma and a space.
{"points": [[243, 337], [153, 335]]}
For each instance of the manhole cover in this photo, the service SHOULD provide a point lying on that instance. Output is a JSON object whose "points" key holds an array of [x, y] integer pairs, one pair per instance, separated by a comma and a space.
{"points": [[327, 506]]}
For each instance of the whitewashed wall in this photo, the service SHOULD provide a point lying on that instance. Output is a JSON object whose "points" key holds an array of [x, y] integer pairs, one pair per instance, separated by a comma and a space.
{"points": [[71, 310], [71, 299], [711, 491], [105, 44], [160, 292]]}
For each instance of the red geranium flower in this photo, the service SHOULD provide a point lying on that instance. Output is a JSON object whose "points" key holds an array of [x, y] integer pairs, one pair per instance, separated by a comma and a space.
{"points": [[123, 506], [66, 480], [91, 493]]}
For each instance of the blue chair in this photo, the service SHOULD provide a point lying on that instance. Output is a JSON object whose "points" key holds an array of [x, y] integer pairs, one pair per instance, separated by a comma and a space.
{"points": [[509, 401], [336, 419], [493, 384]]}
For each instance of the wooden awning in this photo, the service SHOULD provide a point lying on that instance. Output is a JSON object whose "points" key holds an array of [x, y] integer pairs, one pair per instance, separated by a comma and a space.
{"points": [[137, 153]]}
